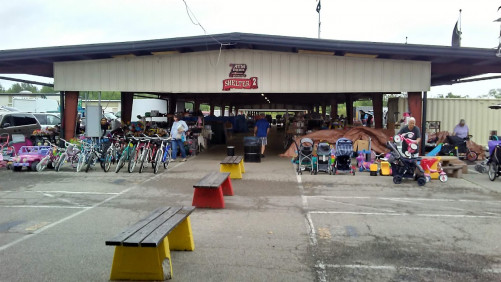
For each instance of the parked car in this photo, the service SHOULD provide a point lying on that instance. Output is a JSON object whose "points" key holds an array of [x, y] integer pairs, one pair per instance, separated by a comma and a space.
{"points": [[18, 123], [47, 119]]}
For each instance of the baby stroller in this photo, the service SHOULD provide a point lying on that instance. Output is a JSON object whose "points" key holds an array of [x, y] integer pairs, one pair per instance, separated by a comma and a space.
{"points": [[304, 155], [322, 162], [403, 167], [344, 151], [494, 161]]}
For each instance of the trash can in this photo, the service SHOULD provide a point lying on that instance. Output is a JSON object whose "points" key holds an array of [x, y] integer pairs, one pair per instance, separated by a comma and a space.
{"points": [[230, 150], [252, 149]]}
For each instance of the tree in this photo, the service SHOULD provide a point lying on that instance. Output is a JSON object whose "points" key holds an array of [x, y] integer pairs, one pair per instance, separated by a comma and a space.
{"points": [[495, 93], [16, 88], [47, 89], [2, 90]]}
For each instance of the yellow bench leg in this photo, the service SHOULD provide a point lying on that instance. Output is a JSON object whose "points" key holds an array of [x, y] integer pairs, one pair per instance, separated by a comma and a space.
{"points": [[142, 263], [241, 164], [233, 169], [181, 238]]}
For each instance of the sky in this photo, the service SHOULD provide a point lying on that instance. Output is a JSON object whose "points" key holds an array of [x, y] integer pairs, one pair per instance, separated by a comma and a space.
{"points": [[42, 23]]}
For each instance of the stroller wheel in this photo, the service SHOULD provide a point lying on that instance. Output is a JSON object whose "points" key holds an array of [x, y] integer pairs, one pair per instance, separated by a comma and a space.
{"points": [[421, 181], [493, 169], [471, 156], [397, 179]]}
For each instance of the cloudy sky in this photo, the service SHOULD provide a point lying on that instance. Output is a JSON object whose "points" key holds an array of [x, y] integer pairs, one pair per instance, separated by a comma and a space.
{"points": [[40, 23]]}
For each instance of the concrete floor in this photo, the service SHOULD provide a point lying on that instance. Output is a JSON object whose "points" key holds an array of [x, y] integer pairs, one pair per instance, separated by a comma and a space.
{"points": [[279, 226]]}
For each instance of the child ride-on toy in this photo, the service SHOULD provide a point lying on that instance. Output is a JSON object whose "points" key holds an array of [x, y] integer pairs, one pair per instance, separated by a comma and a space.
{"points": [[29, 156]]}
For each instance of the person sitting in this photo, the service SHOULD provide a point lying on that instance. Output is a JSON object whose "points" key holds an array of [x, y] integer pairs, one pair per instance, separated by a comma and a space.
{"points": [[461, 130]]}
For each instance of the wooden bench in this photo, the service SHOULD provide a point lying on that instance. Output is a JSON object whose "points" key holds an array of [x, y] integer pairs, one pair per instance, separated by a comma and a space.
{"points": [[454, 170], [234, 165], [209, 190], [142, 251]]}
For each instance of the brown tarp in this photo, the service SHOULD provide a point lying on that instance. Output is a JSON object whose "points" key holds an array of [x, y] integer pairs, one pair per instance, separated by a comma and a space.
{"points": [[441, 138], [379, 137]]}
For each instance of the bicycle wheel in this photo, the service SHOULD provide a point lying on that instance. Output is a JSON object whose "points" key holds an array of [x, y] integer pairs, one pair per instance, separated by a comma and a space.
{"points": [[43, 163], [90, 161], [471, 156], [81, 161], [60, 162], [144, 157], [121, 160], [132, 161], [167, 157], [158, 159], [493, 170], [108, 158]]}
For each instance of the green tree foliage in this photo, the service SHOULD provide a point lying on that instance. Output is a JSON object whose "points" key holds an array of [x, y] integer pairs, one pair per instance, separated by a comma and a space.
{"points": [[47, 89], [450, 95], [493, 94], [105, 95]]}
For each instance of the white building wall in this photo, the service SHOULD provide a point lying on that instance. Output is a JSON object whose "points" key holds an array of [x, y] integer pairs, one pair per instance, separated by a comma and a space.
{"points": [[277, 72]]}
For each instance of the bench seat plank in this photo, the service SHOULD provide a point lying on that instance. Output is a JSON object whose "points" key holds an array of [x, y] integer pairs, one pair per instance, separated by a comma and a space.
{"points": [[137, 238], [232, 160], [212, 180], [154, 238], [117, 240]]}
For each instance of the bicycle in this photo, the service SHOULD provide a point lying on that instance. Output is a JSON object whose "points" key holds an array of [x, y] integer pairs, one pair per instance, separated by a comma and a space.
{"points": [[113, 153], [51, 159], [71, 154], [135, 154], [148, 153], [163, 155], [95, 154], [126, 152]]}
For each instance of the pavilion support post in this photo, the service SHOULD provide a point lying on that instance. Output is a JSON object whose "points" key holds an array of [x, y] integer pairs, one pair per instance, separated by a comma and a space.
{"points": [[349, 109], [377, 106], [196, 106], [212, 106], [70, 114], [415, 107], [333, 108], [172, 104], [126, 101], [324, 109]]}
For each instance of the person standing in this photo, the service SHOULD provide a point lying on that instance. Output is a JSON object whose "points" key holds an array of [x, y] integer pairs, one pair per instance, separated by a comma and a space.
{"points": [[411, 127], [461, 130], [177, 132], [261, 130]]}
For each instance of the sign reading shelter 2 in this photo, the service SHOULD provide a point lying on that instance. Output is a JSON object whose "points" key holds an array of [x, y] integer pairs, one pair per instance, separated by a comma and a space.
{"points": [[238, 70]]}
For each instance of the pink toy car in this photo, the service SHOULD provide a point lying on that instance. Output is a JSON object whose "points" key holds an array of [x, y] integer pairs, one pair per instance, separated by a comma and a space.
{"points": [[29, 156]]}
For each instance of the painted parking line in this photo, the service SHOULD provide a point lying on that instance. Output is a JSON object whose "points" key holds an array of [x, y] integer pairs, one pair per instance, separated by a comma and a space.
{"points": [[406, 199], [405, 214], [395, 268], [45, 207], [65, 192]]}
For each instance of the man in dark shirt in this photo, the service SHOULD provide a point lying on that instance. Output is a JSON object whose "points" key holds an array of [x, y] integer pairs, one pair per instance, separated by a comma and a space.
{"points": [[411, 127]]}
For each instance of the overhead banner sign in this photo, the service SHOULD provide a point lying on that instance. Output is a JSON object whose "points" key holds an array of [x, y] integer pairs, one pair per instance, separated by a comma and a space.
{"points": [[238, 70]]}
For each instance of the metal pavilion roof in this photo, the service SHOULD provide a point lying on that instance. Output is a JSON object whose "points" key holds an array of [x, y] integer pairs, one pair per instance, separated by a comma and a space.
{"points": [[449, 64]]}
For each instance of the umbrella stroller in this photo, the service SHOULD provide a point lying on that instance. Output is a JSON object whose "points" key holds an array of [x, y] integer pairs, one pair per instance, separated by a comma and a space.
{"points": [[322, 162], [304, 155], [344, 151]]}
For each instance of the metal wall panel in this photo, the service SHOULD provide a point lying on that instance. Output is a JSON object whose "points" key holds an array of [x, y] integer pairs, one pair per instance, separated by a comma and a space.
{"points": [[480, 119], [277, 72]]}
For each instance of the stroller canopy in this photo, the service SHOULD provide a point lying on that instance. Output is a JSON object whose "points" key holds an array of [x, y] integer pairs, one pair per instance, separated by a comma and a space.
{"points": [[344, 147]]}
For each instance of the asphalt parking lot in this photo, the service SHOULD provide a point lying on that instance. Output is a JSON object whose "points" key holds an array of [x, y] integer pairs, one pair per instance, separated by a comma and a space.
{"points": [[277, 227]]}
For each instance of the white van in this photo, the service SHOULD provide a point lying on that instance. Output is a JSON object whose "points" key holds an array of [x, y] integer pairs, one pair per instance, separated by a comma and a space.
{"points": [[142, 106]]}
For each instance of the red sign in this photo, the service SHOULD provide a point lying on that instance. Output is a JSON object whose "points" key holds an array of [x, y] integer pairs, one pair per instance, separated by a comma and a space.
{"points": [[239, 83]]}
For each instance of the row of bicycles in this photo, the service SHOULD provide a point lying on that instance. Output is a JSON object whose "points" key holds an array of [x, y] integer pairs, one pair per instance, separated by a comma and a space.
{"points": [[120, 150]]}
